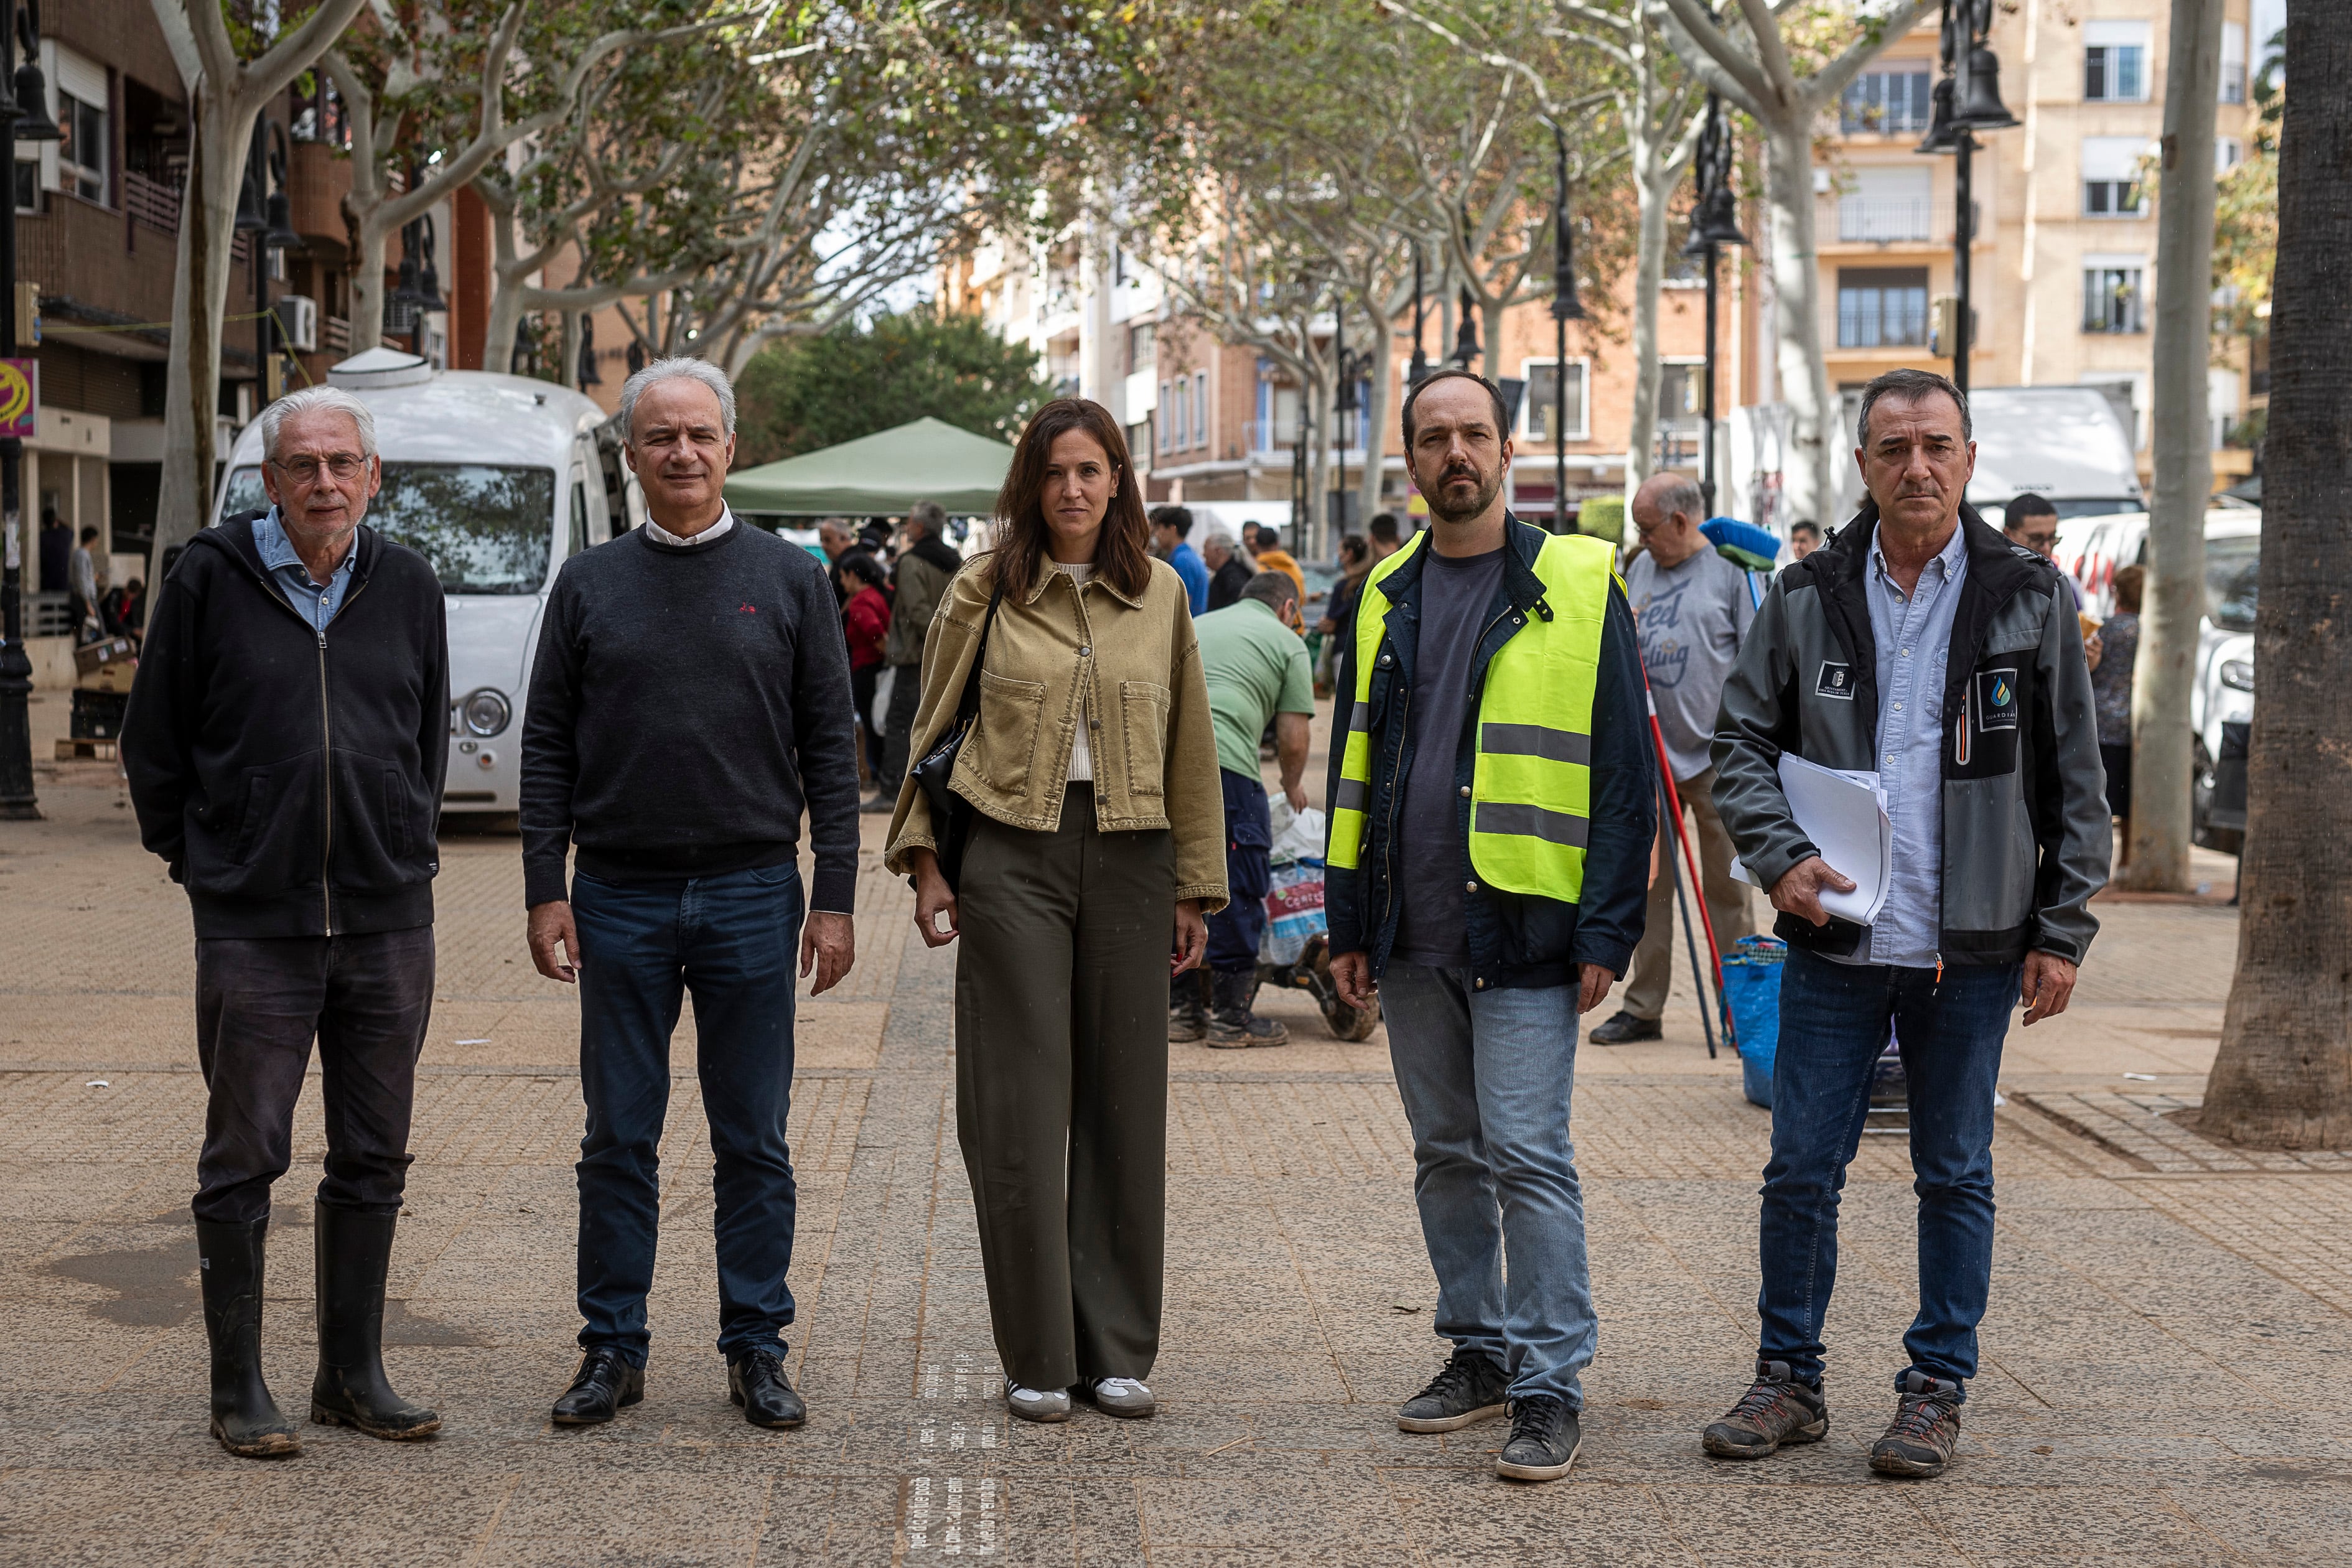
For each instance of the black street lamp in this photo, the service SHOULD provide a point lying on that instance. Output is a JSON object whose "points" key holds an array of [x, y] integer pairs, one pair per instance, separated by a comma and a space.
{"points": [[1565, 308], [26, 112], [1966, 99], [265, 216], [1466, 342], [1347, 366], [1419, 372], [1715, 223]]}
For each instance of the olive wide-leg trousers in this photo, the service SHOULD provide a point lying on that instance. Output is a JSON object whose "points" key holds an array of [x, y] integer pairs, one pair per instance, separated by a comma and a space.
{"points": [[1061, 1016]]}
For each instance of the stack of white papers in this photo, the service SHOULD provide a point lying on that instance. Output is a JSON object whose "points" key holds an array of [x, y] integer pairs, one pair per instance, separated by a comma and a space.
{"points": [[1844, 814]]}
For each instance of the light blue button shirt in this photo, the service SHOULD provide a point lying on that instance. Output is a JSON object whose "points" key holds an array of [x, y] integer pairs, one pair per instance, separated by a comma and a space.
{"points": [[314, 603], [1914, 637]]}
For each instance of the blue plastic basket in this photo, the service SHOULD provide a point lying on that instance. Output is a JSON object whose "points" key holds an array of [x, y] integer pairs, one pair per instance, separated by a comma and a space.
{"points": [[1751, 984]]}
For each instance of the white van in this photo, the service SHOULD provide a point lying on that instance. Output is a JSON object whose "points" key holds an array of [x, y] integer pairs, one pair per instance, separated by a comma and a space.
{"points": [[2221, 700], [496, 481]]}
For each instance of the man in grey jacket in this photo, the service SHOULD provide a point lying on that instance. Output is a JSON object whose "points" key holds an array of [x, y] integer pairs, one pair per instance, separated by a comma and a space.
{"points": [[1920, 646]]}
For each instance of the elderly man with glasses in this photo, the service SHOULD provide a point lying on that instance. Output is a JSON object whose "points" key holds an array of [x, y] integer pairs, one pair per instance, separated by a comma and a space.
{"points": [[286, 741]]}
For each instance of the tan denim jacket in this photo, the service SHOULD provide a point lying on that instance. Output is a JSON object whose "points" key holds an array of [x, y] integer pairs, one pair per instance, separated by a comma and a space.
{"points": [[1072, 654]]}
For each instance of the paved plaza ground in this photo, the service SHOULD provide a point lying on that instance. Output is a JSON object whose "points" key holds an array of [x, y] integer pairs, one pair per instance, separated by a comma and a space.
{"points": [[2164, 1360]]}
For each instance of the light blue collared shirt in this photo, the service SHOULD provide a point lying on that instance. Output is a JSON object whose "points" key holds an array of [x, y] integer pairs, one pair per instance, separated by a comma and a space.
{"points": [[1914, 637], [314, 603]]}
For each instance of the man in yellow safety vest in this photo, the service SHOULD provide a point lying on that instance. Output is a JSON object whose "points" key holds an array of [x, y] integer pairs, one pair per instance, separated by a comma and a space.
{"points": [[1492, 807]]}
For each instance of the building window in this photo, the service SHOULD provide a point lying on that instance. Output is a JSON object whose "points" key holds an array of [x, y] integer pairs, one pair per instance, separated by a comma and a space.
{"points": [[1536, 408], [1882, 307], [1888, 203], [2228, 153], [2111, 297], [28, 186], [1143, 348], [1887, 102], [2233, 62], [2111, 198], [1167, 414], [2111, 176], [1200, 409], [2115, 62]]}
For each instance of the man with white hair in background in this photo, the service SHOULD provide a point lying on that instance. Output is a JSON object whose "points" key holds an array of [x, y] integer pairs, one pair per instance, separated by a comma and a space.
{"points": [[689, 702], [286, 741]]}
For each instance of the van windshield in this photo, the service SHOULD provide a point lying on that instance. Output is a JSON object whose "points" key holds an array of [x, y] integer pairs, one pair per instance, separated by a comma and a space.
{"points": [[2230, 570], [486, 528]]}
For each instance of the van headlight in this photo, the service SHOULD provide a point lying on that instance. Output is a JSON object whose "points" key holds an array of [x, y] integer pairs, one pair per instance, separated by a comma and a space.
{"points": [[2238, 674], [485, 712]]}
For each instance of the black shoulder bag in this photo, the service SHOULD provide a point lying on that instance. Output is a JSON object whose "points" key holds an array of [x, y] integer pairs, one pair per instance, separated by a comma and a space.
{"points": [[950, 812]]}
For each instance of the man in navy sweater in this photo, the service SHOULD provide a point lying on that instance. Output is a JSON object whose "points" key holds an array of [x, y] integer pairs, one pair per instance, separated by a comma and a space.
{"points": [[689, 701]]}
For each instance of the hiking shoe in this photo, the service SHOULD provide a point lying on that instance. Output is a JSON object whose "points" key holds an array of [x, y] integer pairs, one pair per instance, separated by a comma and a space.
{"points": [[1926, 1429], [1545, 1436], [1624, 1029], [1470, 1389], [1776, 1409], [1119, 1396]]}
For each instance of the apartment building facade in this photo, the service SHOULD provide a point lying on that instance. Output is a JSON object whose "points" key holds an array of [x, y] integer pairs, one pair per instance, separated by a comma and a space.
{"points": [[2064, 263]]}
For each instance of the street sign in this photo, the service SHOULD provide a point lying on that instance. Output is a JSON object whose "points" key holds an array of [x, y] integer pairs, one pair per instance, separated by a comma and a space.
{"points": [[20, 397]]}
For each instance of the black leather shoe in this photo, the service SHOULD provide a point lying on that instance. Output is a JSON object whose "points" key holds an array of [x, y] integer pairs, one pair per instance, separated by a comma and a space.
{"points": [[1624, 1029], [758, 1383], [606, 1381]]}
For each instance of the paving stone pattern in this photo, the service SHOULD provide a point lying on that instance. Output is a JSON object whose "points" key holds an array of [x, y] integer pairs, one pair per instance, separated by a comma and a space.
{"points": [[2171, 1321]]}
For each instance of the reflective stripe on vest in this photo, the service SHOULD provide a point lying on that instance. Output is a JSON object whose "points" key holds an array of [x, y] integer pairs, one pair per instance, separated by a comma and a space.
{"points": [[1530, 790]]}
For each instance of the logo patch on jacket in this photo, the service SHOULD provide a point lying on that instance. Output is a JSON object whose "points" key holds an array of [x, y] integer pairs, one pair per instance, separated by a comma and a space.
{"points": [[1836, 680], [1997, 706]]}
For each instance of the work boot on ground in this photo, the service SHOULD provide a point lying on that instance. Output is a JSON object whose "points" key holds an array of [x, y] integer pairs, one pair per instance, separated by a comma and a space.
{"points": [[1776, 1409], [1231, 1024], [1188, 1009], [1544, 1436], [1925, 1428], [1470, 1389], [353, 1253], [243, 1417], [1624, 1029]]}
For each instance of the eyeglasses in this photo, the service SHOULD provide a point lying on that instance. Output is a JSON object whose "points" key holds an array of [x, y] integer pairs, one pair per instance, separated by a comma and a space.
{"points": [[305, 470], [2038, 541]]}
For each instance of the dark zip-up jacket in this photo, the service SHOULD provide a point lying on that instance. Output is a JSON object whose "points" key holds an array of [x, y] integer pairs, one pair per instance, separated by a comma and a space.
{"points": [[1515, 940], [2024, 794], [292, 778]]}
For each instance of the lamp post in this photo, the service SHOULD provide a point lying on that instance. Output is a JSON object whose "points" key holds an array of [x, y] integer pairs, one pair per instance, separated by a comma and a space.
{"points": [[1565, 308], [25, 110], [1715, 223], [265, 218], [1967, 100], [1419, 369]]}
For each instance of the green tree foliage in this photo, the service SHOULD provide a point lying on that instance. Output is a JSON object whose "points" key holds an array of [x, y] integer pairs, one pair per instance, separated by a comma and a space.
{"points": [[802, 393]]}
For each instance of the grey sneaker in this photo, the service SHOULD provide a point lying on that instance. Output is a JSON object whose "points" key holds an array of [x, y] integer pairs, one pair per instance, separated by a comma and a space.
{"points": [[1119, 1396], [1544, 1436], [1469, 1390], [1036, 1404], [1776, 1409], [1927, 1427]]}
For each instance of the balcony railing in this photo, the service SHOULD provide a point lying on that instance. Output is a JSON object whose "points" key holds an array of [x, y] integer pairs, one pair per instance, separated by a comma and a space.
{"points": [[1270, 434], [1882, 219], [337, 337], [150, 202]]}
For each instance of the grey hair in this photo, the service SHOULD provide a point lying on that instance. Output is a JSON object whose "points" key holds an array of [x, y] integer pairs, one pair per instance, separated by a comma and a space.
{"points": [[1910, 386], [931, 515], [692, 369], [1271, 589], [1219, 535], [1680, 493], [317, 400]]}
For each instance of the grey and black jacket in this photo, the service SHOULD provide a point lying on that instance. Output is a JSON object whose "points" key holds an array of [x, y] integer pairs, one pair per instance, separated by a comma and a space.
{"points": [[2025, 815]]}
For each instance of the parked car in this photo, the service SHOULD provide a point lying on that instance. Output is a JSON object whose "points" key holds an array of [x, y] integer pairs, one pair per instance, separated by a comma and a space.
{"points": [[2221, 699], [496, 481]]}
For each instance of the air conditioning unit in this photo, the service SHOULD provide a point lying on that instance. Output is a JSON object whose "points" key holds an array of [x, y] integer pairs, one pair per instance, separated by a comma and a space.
{"points": [[297, 320]]}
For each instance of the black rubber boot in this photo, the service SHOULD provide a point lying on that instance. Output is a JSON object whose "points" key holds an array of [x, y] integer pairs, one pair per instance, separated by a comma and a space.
{"points": [[354, 1251], [245, 1418], [1231, 1024], [1188, 1008]]}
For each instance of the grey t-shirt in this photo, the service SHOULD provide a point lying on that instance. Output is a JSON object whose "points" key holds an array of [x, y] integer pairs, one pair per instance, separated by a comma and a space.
{"points": [[1690, 620], [1455, 591]]}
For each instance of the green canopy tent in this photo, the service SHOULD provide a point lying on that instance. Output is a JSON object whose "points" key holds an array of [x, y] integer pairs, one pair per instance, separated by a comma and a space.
{"points": [[879, 475]]}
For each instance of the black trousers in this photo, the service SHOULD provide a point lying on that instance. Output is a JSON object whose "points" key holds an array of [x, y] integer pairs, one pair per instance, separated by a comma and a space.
{"points": [[1061, 1011], [260, 1003], [906, 695]]}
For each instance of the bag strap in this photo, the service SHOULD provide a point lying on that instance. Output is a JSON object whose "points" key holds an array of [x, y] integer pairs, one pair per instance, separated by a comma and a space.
{"points": [[967, 705]]}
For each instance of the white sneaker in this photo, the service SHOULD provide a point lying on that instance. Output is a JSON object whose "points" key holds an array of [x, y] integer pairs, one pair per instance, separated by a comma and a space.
{"points": [[1122, 1396], [1031, 1404]]}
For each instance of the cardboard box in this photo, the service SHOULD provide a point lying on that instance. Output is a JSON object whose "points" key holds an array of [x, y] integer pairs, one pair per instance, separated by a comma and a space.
{"points": [[90, 657], [115, 676]]}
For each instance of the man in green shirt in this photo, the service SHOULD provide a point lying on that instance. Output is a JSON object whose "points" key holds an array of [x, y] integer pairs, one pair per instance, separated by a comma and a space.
{"points": [[1257, 671]]}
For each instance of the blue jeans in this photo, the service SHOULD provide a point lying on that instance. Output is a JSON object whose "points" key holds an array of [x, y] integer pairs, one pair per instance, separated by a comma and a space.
{"points": [[1486, 1077], [1834, 1023], [731, 940]]}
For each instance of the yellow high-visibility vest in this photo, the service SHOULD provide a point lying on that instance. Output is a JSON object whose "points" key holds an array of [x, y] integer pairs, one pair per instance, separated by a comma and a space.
{"points": [[1532, 788]]}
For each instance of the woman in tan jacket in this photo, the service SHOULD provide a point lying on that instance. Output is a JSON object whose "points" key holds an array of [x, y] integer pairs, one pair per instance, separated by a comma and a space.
{"points": [[1096, 850]]}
